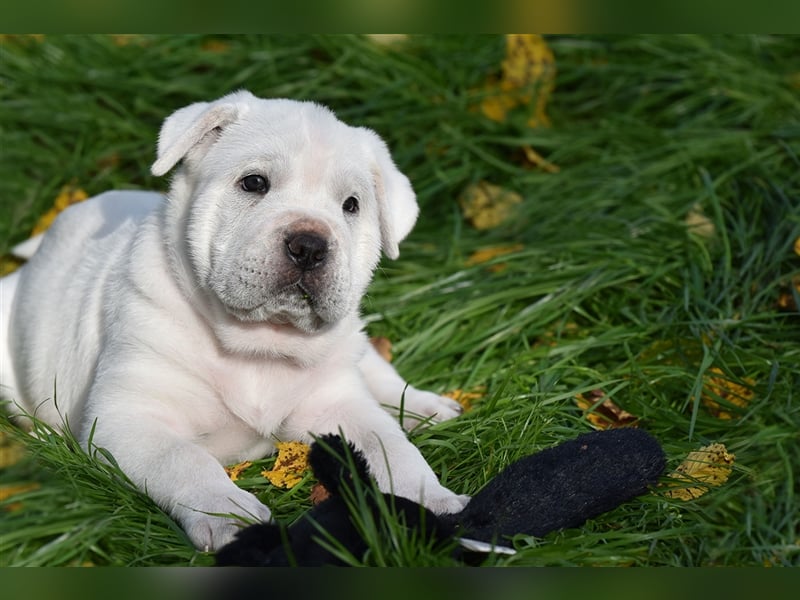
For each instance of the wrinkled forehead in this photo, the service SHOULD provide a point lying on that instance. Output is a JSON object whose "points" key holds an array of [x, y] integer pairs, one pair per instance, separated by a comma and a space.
{"points": [[293, 129]]}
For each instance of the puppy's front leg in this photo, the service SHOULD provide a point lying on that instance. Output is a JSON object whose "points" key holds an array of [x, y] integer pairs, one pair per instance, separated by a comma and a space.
{"points": [[396, 464], [179, 475], [392, 391]]}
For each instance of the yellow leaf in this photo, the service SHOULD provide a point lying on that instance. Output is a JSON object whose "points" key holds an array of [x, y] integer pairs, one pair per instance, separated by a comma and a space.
{"points": [[216, 46], [498, 102], [717, 387], [528, 77], [10, 451], [708, 467], [486, 254], [9, 264], [538, 160], [289, 467], [68, 195], [234, 471], [699, 224], [602, 413], [466, 399], [786, 298], [486, 205], [797, 246], [7, 491]]}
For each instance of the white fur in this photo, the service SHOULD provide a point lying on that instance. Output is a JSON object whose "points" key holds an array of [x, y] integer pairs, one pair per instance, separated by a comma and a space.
{"points": [[181, 328]]}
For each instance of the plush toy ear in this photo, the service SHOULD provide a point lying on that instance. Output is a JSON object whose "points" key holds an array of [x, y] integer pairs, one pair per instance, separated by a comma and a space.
{"points": [[335, 462], [187, 127], [397, 202]]}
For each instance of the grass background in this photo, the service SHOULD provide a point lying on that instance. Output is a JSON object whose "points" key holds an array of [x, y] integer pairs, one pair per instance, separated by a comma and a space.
{"points": [[609, 289]]}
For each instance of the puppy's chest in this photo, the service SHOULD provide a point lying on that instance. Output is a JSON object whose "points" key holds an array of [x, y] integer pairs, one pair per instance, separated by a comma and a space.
{"points": [[263, 396]]}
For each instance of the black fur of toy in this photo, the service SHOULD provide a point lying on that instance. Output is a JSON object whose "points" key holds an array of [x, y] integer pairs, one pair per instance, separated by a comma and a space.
{"points": [[556, 488]]}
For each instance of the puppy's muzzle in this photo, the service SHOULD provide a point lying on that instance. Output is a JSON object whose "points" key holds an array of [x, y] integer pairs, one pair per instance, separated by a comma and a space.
{"points": [[307, 250]]}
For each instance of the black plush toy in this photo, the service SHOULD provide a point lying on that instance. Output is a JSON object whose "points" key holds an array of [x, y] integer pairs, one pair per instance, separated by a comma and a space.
{"points": [[553, 489]]}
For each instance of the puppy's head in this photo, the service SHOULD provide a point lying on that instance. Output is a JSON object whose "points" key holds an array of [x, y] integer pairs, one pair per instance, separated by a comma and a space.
{"points": [[283, 208]]}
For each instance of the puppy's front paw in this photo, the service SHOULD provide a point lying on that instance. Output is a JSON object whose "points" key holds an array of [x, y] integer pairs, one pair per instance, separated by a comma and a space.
{"points": [[213, 527], [424, 408], [446, 503]]}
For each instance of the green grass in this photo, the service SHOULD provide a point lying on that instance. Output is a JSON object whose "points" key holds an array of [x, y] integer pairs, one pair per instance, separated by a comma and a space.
{"points": [[610, 290]]}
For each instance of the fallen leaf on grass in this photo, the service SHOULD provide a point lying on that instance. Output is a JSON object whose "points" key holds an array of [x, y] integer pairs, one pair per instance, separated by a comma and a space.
{"points": [[566, 331], [11, 490], [11, 451], [69, 194], [486, 254], [536, 159], [486, 205], [467, 399], [602, 413], [527, 79], [9, 264], [708, 467], [290, 466], [699, 224], [216, 46], [234, 471], [383, 346], [717, 387], [786, 299]]}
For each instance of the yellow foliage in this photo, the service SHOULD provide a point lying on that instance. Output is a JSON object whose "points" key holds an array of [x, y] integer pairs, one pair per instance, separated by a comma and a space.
{"points": [[699, 224], [486, 254], [290, 466], [10, 451], [486, 205], [234, 471], [528, 77], [466, 399], [717, 387], [9, 264], [536, 159], [708, 467], [7, 491], [68, 195], [215, 45]]}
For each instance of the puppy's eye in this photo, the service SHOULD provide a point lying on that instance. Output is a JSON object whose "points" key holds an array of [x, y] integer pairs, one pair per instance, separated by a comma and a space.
{"points": [[255, 183], [350, 205]]}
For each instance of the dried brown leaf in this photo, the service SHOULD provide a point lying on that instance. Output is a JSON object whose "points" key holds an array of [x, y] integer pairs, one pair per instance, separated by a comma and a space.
{"points": [[602, 413]]}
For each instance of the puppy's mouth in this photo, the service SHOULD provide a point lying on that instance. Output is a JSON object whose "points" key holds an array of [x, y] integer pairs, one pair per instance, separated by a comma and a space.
{"points": [[293, 307]]}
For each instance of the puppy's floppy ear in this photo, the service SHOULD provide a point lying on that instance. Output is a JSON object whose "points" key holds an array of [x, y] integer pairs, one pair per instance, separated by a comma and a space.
{"points": [[397, 203], [184, 129]]}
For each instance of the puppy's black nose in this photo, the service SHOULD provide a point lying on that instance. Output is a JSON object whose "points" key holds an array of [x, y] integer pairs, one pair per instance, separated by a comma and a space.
{"points": [[306, 250]]}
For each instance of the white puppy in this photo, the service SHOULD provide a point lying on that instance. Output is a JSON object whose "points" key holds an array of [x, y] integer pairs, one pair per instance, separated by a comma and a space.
{"points": [[202, 328]]}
